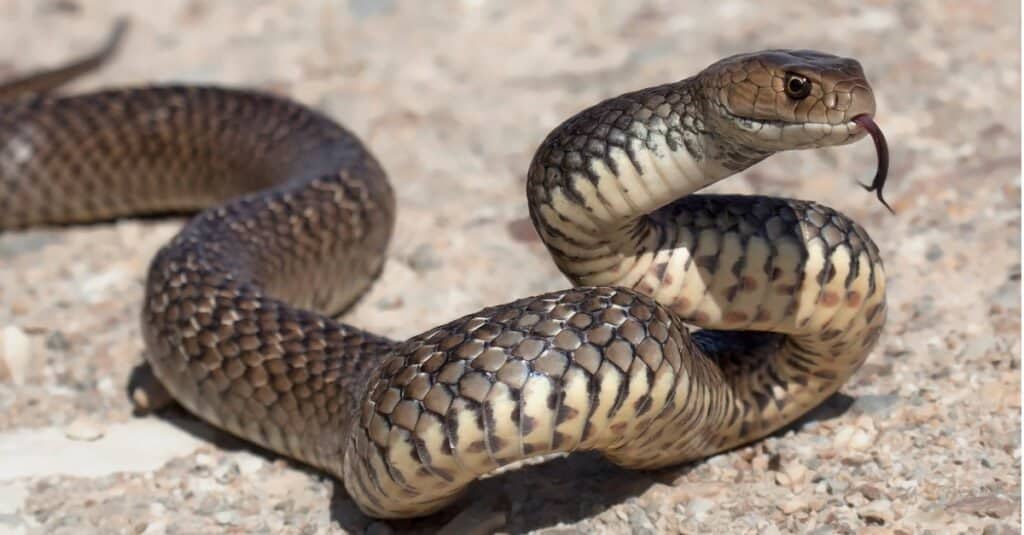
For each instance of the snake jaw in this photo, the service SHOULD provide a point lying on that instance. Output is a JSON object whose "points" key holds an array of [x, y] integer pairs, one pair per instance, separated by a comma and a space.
{"points": [[776, 135]]}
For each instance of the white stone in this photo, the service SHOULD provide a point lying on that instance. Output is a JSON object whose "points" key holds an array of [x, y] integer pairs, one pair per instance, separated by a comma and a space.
{"points": [[15, 353], [699, 506], [248, 463], [158, 527], [84, 429], [141, 445]]}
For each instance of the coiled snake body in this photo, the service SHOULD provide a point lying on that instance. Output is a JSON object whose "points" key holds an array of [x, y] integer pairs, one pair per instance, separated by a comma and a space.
{"points": [[790, 295]]}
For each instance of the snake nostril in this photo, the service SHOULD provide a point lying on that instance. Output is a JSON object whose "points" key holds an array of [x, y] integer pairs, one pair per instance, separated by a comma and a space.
{"points": [[862, 101]]}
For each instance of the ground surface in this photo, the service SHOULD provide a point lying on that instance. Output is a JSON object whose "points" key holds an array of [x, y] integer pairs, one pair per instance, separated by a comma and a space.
{"points": [[453, 97]]}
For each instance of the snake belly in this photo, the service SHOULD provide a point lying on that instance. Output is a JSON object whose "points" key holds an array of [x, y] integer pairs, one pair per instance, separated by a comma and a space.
{"points": [[294, 220]]}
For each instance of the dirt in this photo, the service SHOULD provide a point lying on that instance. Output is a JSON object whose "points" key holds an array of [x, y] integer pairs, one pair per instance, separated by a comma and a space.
{"points": [[453, 97]]}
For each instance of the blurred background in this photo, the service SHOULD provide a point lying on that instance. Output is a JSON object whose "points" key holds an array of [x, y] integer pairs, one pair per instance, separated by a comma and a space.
{"points": [[453, 97]]}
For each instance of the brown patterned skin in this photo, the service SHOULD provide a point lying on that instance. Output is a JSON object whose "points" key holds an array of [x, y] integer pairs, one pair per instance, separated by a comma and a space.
{"points": [[296, 219]]}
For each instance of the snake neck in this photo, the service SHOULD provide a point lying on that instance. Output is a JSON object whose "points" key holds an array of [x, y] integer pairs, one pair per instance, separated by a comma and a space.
{"points": [[600, 183], [611, 196]]}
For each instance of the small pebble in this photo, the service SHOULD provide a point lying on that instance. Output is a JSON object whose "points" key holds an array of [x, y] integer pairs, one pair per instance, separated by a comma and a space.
{"points": [[699, 506], [424, 258], [793, 505], [390, 302], [157, 527], [84, 429], [878, 512], [841, 440], [639, 522], [205, 460], [870, 492], [861, 440], [56, 341], [226, 472], [15, 355], [856, 499], [796, 473], [875, 404], [226, 517], [249, 464], [989, 505]]}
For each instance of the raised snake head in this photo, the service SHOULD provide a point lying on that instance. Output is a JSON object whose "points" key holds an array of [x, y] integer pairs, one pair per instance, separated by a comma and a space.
{"points": [[777, 100]]}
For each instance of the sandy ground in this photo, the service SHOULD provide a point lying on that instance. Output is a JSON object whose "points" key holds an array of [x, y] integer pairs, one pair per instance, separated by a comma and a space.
{"points": [[453, 97]]}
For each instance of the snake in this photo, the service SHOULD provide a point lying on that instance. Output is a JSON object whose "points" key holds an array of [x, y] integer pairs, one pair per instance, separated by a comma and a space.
{"points": [[695, 323]]}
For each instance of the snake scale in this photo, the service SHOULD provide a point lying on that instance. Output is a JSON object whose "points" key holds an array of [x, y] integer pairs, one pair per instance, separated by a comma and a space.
{"points": [[294, 219]]}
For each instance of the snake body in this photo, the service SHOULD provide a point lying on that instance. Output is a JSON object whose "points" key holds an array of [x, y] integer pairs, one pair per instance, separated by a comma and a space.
{"points": [[297, 214]]}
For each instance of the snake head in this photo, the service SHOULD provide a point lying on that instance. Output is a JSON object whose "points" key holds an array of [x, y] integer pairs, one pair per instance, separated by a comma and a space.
{"points": [[778, 100]]}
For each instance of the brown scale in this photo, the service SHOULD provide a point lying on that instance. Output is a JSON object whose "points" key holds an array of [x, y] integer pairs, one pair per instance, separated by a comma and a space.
{"points": [[296, 218]]}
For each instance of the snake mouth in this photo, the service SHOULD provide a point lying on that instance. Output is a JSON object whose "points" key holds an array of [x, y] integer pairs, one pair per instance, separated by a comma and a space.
{"points": [[839, 133], [854, 129], [866, 122]]}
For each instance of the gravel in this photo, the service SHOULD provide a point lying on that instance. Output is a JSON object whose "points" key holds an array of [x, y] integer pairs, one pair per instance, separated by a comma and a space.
{"points": [[453, 96]]}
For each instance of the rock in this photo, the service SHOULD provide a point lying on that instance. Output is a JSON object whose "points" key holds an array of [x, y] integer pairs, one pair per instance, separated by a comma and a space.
{"points": [[861, 440], [990, 505], [699, 506], [100, 287], [15, 355], [794, 505], [140, 445], [856, 499], [248, 464], [841, 440], [56, 341], [1004, 529], [759, 463], [424, 258], [390, 302], [158, 527], [875, 404], [878, 512], [205, 461], [851, 439], [84, 429], [225, 518], [870, 492], [639, 522], [838, 486], [792, 475], [226, 471], [148, 394]]}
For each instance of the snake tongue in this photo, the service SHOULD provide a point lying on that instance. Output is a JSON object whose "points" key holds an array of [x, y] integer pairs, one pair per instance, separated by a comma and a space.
{"points": [[882, 148]]}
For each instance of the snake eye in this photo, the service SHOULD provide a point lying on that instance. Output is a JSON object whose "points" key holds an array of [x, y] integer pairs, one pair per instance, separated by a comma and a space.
{"points": [[797, 86]]}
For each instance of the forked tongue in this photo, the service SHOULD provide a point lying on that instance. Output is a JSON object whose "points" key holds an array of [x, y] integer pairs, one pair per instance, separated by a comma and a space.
{"points": [[882, 149]]}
